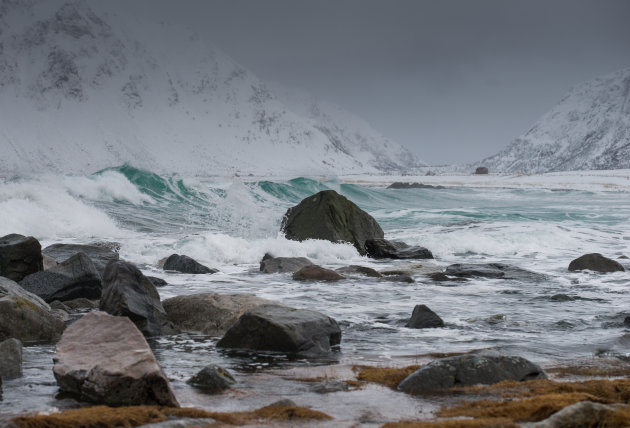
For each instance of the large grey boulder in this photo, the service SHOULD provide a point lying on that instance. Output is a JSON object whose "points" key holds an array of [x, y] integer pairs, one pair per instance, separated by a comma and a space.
{"points": [[423, 317], [25, 316], [71, 279], [210, 313], [19, 256], [283, 329], [270, 264], [185, 264], [493, 270], [330, 216], [128, 293], [212, 379], [10, 359], [384, 249], [101, 253], [106, 360], [316, 273], [595, 262], [470, 369]]}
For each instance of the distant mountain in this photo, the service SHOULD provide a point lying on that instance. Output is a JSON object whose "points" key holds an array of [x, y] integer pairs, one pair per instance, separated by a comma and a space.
{"points": [[588, 129], [82, 88]]}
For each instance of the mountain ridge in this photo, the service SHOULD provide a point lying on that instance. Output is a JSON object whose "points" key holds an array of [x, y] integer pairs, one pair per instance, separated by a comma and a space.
{"points": [[83, 90]]}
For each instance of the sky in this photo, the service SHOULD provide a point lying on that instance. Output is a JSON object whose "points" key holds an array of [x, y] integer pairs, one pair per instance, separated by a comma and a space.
{"points": [[452, 80]]}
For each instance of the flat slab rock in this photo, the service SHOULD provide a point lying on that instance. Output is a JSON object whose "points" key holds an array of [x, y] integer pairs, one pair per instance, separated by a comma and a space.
{"points": [[493, 270], [470, 369], [316, 273], [105, 359], [283, 329], [210, 313]]}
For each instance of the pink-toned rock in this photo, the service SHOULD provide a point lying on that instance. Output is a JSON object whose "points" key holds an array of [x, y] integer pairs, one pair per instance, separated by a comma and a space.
{"points": [[105, 359]]}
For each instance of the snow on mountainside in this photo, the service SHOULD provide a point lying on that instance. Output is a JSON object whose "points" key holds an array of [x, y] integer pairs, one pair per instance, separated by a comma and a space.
{"points": [[589, 129], [82, 88]]}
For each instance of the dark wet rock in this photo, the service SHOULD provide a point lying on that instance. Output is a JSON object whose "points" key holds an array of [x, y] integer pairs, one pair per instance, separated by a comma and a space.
{"points": [[82, 304], [71, 279], [481, 170], [59, 306], [283, 329], [158, 282], [595, 262], [106, 360], [384, 249], [270, 264], [285, 402], [561, 298], [470, 369], [330, 216], [581, 414], [25, 316], [423, 317], [626, 321], [623, 257], [493, 270], [328, 386], [185, 264], [212, 379], [128, 293], [210, 313], [316, 273], [19, 256], [10, 359], [442, 277], [398, 278], [414, 185], [359, 270], [100, 253]]}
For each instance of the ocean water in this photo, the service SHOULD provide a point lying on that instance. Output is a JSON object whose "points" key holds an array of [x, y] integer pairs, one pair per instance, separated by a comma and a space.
{"points": [[229, 224]]}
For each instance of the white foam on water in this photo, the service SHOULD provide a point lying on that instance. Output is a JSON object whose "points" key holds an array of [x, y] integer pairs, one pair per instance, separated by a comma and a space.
{"points": [[110, 186], [44, 208]]}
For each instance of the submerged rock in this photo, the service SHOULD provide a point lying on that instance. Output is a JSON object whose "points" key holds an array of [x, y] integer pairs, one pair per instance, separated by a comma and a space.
{"points": [[316, 273], [493, 270], [414, 185], [384, 249], [100, 253], [330, 216], [71, 279], [158, 282], [270, 264], [25, 316], [19, 256], [185, 264], [470, 369], [595, 262], [398, 278], [128, 293], [106, 360], [212, 379], [423, 317], [210, 313], [283, 329], [359, 270], [10, 359], [418, 268]]}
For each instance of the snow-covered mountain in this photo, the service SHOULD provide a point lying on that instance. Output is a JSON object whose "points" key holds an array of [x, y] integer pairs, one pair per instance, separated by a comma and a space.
{"points": [[83, 88], [588, 129]]}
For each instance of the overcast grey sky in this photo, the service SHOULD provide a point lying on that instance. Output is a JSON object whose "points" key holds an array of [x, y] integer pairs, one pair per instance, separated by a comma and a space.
{"points": [[453, 80]]}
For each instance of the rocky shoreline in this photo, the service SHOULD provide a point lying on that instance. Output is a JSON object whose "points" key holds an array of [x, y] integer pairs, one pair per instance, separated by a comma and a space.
{"points": [[45, 294]]}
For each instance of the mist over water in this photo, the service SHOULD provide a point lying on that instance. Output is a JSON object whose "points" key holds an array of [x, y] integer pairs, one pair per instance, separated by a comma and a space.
{"points": [[230, 224]]}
